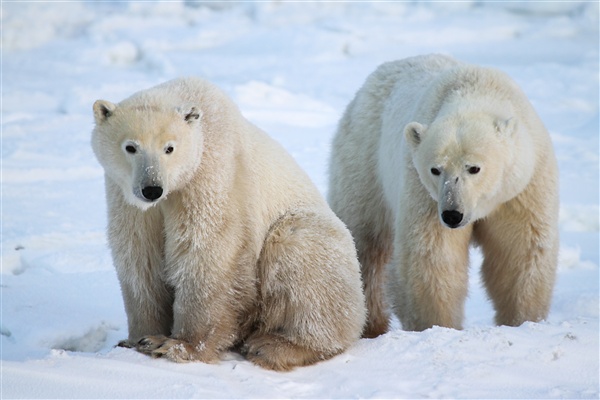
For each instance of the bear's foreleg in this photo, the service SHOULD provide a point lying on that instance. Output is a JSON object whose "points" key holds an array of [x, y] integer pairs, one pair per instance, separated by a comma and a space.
{"points": [[147, 313], [205, 324], [429, 273], [520, 258], [136, 241]]}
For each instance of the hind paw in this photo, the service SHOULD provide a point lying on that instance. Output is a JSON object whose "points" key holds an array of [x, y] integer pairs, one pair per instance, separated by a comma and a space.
{"points": [[277, 353]]}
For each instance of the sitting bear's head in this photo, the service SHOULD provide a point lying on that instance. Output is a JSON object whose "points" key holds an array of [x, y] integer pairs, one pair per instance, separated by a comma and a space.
{"points": [[148, 150], [464, 161]]}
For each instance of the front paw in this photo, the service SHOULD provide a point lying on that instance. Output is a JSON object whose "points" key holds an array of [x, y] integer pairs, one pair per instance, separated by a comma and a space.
{"points": [[176, 350], [126, 343], [150, 345], [172, 349]]}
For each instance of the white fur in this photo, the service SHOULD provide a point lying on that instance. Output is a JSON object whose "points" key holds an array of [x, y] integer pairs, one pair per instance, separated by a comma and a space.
{"points": [[429, 144], [238, 248]]}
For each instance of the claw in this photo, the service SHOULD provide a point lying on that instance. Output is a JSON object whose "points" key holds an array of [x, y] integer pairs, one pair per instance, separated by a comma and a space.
{"points": [[125, 343], [173, 349], [149, 344]]}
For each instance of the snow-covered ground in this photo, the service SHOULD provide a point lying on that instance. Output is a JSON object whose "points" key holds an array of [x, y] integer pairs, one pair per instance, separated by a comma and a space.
{"points": [[292, 68]]}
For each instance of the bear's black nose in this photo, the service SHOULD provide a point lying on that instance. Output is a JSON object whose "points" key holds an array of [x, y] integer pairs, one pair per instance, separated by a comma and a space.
{"points": [[152, 192], [452, 218]]}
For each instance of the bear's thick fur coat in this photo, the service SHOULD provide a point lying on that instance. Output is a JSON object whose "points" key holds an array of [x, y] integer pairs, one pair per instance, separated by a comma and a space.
{"points": [[219, 239], [434, 154]]}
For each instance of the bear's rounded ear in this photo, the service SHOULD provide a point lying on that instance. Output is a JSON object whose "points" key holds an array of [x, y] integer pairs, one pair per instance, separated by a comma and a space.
{"points": [[414, 133], [190, 114], [506, 126], [103, 110]]}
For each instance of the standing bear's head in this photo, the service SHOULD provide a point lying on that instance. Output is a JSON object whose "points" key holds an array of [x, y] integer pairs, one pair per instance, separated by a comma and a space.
{"points": [[148, 150], [469, 162]]}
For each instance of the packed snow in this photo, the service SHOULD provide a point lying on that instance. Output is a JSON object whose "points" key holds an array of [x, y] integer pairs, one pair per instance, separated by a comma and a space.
{"points": [[291, 67]]}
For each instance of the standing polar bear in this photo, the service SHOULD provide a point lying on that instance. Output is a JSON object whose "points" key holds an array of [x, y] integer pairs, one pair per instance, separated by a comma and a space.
{"points": [[431, 155], [218, 237]]}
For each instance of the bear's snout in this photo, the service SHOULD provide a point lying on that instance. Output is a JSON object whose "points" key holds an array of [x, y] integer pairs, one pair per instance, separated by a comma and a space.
{"points": [[452, 218], [152, 192]]}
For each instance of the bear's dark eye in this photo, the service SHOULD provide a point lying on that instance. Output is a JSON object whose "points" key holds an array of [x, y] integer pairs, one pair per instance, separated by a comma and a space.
{"points": [[169, 150], [435, 171], [474, 170], [130, 149]]}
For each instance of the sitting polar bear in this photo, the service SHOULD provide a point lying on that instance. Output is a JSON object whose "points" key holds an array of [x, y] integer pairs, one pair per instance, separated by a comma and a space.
{"points": [[218, 237], [431, 155]]}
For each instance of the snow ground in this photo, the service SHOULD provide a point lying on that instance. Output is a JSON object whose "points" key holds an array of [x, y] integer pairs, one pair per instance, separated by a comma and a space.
{"points": [[292, 67]]}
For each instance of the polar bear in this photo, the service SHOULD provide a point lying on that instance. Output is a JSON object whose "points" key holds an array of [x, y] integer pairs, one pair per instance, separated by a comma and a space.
{"points": [[219, 239], [434, 154]]}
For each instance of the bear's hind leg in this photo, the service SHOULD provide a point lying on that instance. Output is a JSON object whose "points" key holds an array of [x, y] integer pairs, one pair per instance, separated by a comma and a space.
{"points": [[312, 305], [277, 353], [374, 252]]}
